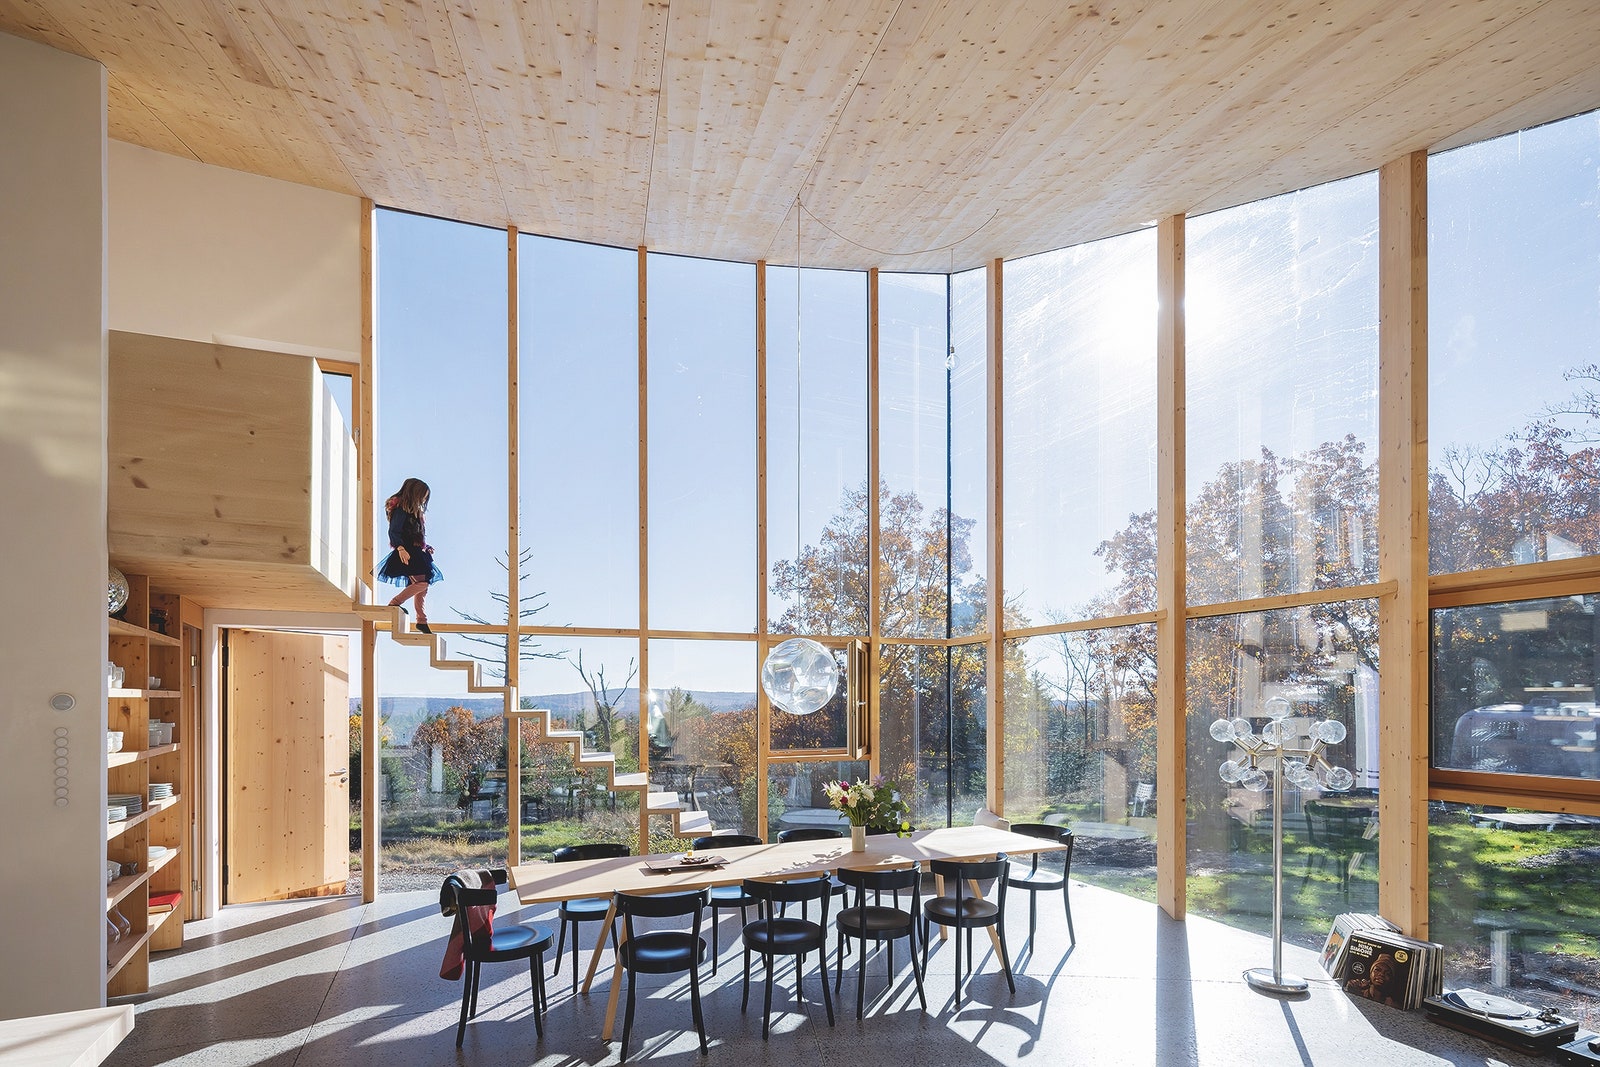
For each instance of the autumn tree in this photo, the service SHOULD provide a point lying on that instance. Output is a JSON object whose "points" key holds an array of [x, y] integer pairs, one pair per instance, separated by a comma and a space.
{"points": [[469, 747]]}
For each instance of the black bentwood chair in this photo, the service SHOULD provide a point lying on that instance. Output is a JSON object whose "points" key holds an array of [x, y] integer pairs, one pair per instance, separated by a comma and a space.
{"points": [[875, 922], [726, 897], [778, 935], [967, 911], [585, 909], [663, 951], [483, 943], [1034, 881]]}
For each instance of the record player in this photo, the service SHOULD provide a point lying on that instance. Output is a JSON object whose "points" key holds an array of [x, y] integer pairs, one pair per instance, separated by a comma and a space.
{"points": [[1501, 1019], [1585, 1048]]}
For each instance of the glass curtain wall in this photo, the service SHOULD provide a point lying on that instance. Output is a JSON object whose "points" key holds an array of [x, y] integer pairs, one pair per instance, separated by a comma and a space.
{"points": [[441, 417], [1514, 269]]}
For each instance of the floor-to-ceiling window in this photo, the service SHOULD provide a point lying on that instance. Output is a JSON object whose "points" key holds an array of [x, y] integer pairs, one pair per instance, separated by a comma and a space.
{"points": [[1281, 451], [1514, 523]]}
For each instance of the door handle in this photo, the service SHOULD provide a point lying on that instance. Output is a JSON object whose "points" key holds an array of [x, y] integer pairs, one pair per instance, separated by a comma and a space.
{"points": [[341, 770]]}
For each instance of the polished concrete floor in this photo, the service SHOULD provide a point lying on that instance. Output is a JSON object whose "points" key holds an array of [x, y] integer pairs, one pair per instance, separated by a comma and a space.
{"points": [[344, 984]]}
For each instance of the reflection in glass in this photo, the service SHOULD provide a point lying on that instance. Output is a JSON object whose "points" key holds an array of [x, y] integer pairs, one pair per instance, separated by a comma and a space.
{"points": [[1514, 901], [1282, 318], [1080, 420], [1295, 667], [1081, 748], [934, 729], [795, 799], [1513, 268], [1514, 688], [701, 717]]}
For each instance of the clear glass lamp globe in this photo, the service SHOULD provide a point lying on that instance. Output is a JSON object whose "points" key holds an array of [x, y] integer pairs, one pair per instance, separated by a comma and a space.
{"points": [[800, 676]]}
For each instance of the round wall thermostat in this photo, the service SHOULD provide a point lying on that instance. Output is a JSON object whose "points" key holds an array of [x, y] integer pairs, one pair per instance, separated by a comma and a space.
{"points": [[63, 702]]}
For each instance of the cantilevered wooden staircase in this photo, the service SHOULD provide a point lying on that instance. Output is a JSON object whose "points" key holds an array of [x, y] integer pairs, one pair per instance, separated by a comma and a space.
{"points": [[652, 802]]}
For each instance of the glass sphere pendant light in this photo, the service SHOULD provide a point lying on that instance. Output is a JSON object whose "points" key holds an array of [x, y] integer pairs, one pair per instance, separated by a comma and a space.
{"points": [[800, 675]]}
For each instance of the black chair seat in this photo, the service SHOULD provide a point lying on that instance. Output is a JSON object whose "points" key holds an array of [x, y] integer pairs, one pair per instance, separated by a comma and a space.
{"points": [[1035, 881], [663, 951], [783, 936], [873, 922], [585, 909], [515, 942], [966, 912]]}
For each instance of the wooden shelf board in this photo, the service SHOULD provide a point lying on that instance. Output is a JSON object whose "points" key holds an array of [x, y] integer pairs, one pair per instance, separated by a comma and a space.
{"points": [[165, 694], [159, 806], [116, 829], [162, 750], [125, 950], [118, 890], [165, 858], [158, 919], [128, 629], [127, 694], [124, 757]]}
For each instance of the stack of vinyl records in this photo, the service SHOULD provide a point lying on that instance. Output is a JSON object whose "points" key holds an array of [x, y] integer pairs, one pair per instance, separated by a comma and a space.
{"points": [[1504, 1020], [1391, 968], [1343, 926]]}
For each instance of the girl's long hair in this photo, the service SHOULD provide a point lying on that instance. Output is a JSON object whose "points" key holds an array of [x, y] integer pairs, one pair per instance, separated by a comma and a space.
{"points": [[412, 497]]}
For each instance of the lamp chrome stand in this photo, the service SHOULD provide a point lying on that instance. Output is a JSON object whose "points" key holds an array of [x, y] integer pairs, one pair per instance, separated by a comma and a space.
{"points": [[1299, 764], [1262, 979]]}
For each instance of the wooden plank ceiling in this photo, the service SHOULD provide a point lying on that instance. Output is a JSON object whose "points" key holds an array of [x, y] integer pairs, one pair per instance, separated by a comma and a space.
{"points": [[915, 134]]}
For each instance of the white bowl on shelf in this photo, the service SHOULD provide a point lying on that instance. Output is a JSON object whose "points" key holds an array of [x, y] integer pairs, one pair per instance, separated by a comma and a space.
{"points": [[113, 740]]}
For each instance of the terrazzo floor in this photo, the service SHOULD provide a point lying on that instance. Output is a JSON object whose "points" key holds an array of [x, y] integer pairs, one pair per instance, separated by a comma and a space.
{"points": [[339, 983]]}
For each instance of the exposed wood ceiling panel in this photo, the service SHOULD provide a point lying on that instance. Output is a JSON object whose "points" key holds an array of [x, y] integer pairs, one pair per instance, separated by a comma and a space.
{"points": [[918, 134]]}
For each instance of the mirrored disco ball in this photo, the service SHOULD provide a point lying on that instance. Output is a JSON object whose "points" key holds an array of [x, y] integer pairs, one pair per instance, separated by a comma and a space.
{"points": [[800, 676], [116, 591]]}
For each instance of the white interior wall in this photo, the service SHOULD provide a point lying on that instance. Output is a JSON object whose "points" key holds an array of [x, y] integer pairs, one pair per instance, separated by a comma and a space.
{"points": [[52, 527], [208, 254]]}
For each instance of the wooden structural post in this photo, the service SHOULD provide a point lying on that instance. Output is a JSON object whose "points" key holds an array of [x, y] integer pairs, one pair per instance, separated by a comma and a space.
{"points": [[513, 562], [371, 817], [874, 732], [643, 318], [1172, 792], [995, 461], [763, 705], [1403, 542]]}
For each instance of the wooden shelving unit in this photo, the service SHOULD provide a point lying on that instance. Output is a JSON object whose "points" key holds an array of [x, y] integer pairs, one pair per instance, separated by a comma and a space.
{"points": [[145, 654]]}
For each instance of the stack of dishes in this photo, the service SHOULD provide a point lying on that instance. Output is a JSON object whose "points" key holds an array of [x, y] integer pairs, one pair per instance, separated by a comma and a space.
{"points": [[116, 813], [160, 791], [131, 803], [157, 851], [113, 740]]}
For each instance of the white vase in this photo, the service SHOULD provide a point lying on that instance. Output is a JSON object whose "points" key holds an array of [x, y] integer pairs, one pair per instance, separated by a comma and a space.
{"points": [[858, 838]]}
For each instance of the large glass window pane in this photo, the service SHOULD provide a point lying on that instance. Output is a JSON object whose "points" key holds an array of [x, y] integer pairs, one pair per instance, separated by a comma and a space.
{"points": [[969, 453], [1514, 687], [1513, 319], [934, 729], [702, 726], [1081, 748], [443, 787], [1302, 666], [579, 432], [442, 404], [795, 797], [913, 331], [1282, 317], [1080, 421], [702, 440], [817, 451], [1513, 899]]}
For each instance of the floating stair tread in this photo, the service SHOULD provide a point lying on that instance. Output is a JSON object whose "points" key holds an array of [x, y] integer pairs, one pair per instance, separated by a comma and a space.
{"points": [[694, 824], [663, 803], [636, 780]]}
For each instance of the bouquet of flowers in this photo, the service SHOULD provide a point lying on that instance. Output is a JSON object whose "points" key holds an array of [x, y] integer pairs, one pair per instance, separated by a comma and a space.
{"points": [[878, 805]]}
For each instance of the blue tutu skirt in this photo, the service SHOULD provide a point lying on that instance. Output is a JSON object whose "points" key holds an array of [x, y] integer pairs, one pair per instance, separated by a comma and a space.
{"points": [[394, 572]]}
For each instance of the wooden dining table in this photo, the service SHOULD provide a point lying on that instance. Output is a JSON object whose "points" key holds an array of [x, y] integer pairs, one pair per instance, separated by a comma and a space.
{"points": [[547, 883]]}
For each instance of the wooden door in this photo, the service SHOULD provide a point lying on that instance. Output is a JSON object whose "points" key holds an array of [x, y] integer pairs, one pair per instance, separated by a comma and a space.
{"points": [[288, 773]]}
